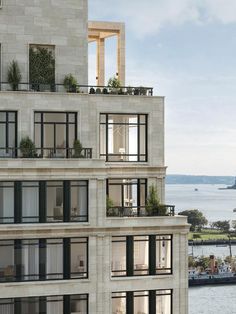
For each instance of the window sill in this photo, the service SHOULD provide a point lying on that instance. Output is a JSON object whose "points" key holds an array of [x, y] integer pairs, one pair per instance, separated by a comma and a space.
{"points": [[151, 277]]}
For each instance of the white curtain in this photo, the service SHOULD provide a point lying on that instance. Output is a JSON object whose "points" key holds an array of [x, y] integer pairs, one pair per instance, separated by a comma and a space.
{"points": [[30, 202], [6, 308], [7, 203], [30, 259], [54, 260], [55, 307]]}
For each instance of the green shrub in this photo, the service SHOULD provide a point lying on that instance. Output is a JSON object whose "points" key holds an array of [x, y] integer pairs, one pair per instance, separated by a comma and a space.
{"points": [[27, 148], [78, 148], [14, 75], [70, 83]]}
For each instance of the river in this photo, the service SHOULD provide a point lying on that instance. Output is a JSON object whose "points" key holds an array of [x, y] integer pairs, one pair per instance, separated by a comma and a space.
{"points": [[216, 205]]}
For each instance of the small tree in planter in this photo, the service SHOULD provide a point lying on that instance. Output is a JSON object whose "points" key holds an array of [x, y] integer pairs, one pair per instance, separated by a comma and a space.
{"points": [[27, 148], [109, 206], [14, 75], [153, 206], [70, 83], [78, 148], [114, 85]]}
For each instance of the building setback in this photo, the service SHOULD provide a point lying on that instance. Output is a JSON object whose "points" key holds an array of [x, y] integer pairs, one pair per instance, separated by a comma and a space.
{"points": [[77, 165]]}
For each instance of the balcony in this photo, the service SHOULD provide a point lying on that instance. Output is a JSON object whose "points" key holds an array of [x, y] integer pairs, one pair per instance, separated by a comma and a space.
{"points": [[80, 89], [164, 210], [51, 152]]}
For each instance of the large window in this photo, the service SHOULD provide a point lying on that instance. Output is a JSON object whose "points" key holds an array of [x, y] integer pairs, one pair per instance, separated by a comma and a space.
{"points": [[127, 197], [123, 137], [141, 255], [55, 133], [43, 259], [142, 302], [67, 304], [43, 201], [8, 133]]}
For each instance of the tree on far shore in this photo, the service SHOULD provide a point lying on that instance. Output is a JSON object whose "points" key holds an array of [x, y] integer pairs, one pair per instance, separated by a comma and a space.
{"points": [[222, 225], [195, 218]]}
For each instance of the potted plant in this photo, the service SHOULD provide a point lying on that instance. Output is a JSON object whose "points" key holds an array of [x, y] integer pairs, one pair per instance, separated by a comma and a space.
{"points": [[27, 148], [114, 85], [14, 75], [70, 83], [109, 206], [153, 206], [78, 148]]}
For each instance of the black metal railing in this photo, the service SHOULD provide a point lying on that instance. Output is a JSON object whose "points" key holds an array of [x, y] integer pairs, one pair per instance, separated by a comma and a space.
{"points": [[51, 152], [141, 211], [89, 89]]}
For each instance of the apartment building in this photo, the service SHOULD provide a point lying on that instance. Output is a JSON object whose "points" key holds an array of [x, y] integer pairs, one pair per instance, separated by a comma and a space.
{"points": [[77, 166]]}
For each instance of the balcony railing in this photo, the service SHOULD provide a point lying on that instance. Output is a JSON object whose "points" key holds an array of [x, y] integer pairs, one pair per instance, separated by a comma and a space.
{"points": [[166, 210], [89, 89], [46, 153]]}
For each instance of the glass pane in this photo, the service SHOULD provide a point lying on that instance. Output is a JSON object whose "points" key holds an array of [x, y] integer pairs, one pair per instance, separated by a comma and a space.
{"points": [[7, 306], [54, 259], [3, 116], [48, 139], [6, 202], [115, 194], [11, 116], [142, 119], [141, 255], [60, 140], [102, 139], [7, 269], [11, 136], [102, 118], [119, 303], [79, 203], [54, 201], [163, 256], [141, 304], [55, 117], [142, 143], [130, 195], [72, 117], [2, 136], [30, 305], [55, 305], [37, 135], [78, 259], [37, 117], [163, 304], [118, 264], [30, 259], [78, 304], [71, 135], [30, 202]]}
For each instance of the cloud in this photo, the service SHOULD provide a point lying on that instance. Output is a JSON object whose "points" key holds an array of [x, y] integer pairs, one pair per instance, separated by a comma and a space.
{"points": [[147, 18]]}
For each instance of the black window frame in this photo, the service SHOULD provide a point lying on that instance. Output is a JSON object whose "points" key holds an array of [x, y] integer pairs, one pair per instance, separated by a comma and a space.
{"points": [[52, 150], [11, 151], [129, 296], [130, 270], [139, 210], [42, 302], [42, 244], [138, 155], [42, 192]]}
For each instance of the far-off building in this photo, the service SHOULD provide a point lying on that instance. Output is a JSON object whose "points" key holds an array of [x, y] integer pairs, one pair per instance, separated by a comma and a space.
{"points": [[81, 171]]}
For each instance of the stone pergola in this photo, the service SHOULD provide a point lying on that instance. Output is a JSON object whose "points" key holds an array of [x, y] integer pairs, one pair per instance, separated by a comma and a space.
{"points": [[98, 32]]}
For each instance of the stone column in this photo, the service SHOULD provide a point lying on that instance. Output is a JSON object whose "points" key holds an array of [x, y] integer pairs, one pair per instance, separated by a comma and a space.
{"points": [[121, 55], [101, 61]]}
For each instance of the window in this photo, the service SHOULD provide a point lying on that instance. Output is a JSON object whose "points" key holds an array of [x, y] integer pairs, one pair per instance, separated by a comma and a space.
{"points": [[141, 255], [145, 302], [67, 304], [127, 197], [8, 133], [123, 137], [55, 133], [43, 201], [43, 259]]}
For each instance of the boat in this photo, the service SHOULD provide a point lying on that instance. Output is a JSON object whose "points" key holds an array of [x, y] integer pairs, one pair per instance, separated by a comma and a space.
{"points": [[195, 189], [234, 210], [230, 187]]}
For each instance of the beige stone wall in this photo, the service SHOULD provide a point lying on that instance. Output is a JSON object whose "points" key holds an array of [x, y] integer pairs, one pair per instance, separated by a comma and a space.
{"points": [[57, 22]]}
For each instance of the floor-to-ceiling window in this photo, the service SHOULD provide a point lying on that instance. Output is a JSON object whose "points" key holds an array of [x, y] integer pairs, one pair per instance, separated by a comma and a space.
{"points": [[8, 133], [67, 304], [127, 197], [55, 133], [141, 255], [43, 259], [43, 201], [123, 137], [142, 302]]}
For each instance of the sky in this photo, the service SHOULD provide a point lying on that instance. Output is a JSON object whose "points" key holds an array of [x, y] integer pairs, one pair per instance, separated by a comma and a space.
{"points": [[186, 50]]}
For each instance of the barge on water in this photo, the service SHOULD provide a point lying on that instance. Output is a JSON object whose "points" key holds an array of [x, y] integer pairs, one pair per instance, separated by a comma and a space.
{"points": [[211, 280]]}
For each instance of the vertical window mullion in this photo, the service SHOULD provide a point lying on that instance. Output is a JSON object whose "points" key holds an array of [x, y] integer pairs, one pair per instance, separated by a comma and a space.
{"points": [[152, 302], [129, 302], [18, 259], [67, 135], [107, 138], [15, 153], [42, 259], [42, 202], [42, 305], [138, 138], [17, 202], [66, 201], [66, 258], [138, 197], [66, 304], [17, 306], [130, 255], [146, 133], [152, 255]]}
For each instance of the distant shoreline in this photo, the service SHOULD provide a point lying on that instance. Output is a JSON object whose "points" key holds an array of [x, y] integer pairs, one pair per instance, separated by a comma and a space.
{"points": [[199, 179]]}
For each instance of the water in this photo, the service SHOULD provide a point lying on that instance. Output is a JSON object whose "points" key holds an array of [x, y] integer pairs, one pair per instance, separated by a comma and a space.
{"points": [[216, 205]]}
